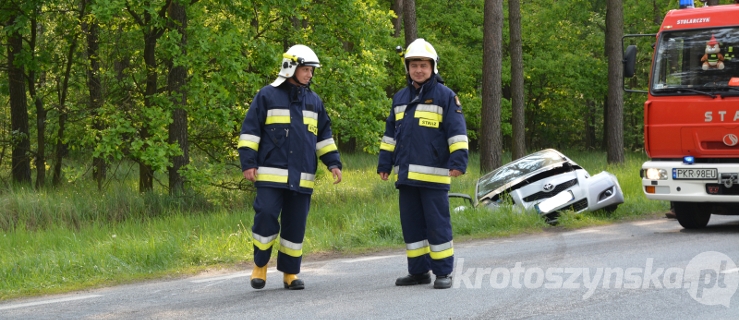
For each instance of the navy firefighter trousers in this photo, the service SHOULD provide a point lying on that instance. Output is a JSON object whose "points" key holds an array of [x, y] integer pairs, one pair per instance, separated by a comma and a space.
{"points": [[427, 229], [292, 209]]}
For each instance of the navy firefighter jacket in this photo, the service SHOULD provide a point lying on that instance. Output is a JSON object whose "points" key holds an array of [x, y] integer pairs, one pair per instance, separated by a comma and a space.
{"points": [[284, 132], [425, 136]]}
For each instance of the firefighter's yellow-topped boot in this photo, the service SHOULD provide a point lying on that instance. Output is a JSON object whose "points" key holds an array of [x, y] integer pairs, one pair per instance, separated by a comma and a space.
{"points": [[292, 282], [259, 277]]}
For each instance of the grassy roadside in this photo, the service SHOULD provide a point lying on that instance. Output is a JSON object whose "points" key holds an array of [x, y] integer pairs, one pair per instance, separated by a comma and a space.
{"points": [[77, 238]]}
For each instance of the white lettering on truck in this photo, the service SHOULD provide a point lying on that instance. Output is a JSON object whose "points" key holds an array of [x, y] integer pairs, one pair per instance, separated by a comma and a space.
{"points": [[709, 116], [692, 21]]}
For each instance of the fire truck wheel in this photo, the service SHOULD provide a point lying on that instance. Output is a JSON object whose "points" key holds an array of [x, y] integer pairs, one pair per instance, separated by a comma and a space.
{"points": [[692, 215]]}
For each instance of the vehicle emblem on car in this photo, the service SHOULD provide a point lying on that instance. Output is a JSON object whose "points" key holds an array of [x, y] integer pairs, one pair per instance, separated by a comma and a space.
{"points": [[730, 140], [548, 187]]}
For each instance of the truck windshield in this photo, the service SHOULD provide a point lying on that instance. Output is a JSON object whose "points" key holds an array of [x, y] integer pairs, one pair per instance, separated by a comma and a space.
{"points": [[701, 60]]}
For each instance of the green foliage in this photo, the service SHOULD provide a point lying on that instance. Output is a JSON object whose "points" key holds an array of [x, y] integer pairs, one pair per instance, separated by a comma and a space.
{"points": [[353, 76], [564, 71], [234, 48]]}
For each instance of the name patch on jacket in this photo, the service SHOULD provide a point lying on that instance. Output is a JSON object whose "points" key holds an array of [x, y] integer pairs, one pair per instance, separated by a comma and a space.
{"points": [[310, 118], [428, 123]]}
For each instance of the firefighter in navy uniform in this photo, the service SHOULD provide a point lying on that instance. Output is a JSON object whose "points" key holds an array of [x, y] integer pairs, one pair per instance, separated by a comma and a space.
{"points": [[425, 143], [285, 131]]}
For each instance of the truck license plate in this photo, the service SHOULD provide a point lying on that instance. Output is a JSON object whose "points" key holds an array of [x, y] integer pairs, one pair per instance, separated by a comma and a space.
{"points": [[695, 174]]}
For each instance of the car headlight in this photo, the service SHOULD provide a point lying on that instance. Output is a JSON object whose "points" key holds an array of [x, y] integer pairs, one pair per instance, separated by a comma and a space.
{"points": [[606, 194], [655, 174]]}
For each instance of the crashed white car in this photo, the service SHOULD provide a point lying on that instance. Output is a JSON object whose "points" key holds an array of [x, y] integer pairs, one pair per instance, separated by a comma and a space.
{"points": [[548, 182]]}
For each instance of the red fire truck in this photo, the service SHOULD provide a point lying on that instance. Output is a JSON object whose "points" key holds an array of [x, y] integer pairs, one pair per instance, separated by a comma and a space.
{"points": [[691, 116]]}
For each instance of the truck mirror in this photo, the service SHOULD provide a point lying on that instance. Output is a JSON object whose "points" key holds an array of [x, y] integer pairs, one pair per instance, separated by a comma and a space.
{"points": [[630, 61]]}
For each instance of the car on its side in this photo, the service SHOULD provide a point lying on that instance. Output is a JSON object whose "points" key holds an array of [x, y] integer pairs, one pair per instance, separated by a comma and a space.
{"points": [[549, 182]]}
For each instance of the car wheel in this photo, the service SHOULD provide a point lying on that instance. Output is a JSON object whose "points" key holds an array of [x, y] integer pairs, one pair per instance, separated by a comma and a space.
{"points": [[611, 208], [692, 215], [552, 218]]}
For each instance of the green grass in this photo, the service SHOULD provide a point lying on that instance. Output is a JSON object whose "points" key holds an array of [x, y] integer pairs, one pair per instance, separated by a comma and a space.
{"points": [[78, 238]]}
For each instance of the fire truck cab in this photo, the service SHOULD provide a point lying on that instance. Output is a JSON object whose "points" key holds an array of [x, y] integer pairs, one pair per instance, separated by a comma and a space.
{"points": [[691, 115]]}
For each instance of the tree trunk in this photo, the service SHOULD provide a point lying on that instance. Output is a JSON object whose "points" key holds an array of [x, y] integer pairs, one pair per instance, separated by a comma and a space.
{"points": [[492, 51], [41, 112], [397, 22], [614, 32], [656, 13], [41, 140], [92, 29], [146, 173], [175, 84], [409, 21], [151, 35], [517, 86], [21, 162], [61, 148]]}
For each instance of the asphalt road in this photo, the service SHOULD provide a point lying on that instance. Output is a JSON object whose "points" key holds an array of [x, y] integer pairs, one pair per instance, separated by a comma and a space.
{"points": [[650, 269]]}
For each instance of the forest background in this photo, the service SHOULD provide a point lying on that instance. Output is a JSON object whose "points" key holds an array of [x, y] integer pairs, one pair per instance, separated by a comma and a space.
{"points": [[164, 85], [126, 111]]}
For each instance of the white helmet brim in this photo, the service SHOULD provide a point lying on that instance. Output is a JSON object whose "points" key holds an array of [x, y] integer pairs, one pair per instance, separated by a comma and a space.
{"points": [[278, 81]]}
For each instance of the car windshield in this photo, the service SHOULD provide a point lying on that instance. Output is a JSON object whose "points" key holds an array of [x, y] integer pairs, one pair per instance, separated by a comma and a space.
{"points": [[518, 169], [696, 62]]}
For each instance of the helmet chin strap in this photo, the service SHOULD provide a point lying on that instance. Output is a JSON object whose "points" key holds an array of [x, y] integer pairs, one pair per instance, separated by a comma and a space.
{"points": [[421, 83], [300, 83]]}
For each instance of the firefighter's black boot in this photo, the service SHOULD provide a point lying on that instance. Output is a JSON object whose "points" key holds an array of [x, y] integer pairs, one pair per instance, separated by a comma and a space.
{"points": [[443, 282], [411, 279]]}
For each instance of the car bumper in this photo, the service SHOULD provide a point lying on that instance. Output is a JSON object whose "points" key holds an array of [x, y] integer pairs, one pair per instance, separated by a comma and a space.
{"points": [[696, 190]]}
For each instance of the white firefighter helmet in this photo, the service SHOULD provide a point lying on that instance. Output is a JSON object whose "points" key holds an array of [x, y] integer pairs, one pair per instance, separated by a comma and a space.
{"points": [[421, 49], [297, 55]]}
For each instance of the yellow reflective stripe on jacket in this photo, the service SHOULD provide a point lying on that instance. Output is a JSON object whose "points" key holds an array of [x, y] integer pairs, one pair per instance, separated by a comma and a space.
{"points": [[262, 242], [441, 251], [267, 174], [429, 111], [278, 116], [417, 249], [307, 180], [310, 117], [325, 146], [387, 144], [399, 112], [249, 141], [458, 143], [429, 174], [290, 248]]}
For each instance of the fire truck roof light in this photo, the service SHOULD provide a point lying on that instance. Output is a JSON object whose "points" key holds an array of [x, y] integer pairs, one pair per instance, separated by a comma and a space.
{"points": [[688, 160], [686, 4]]}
